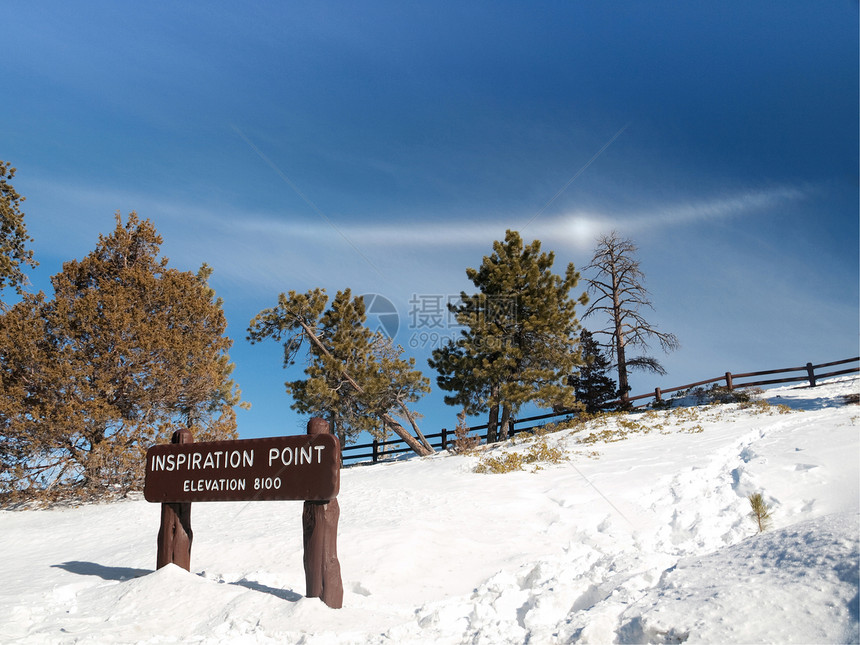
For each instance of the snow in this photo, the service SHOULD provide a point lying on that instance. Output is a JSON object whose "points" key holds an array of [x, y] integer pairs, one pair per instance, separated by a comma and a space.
{"points": [[645, 539]]}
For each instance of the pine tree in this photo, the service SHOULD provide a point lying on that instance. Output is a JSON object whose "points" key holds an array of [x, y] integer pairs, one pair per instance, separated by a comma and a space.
{"points": [[14, 254], [395, 384], [592, 387], [353, 378], [326, 391], [518, 341], [760, 511], [127, 351]]}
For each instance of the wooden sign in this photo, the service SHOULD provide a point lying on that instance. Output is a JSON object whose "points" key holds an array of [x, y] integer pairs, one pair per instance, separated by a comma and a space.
{"points": [[302, 467]]}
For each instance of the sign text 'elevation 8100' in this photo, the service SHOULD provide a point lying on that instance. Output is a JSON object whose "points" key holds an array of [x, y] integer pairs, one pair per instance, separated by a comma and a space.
{"points": [[302, 467]]}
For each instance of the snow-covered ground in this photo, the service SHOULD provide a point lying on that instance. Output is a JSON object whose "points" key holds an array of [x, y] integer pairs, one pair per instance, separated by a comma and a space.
{"points": [[645, 539]]}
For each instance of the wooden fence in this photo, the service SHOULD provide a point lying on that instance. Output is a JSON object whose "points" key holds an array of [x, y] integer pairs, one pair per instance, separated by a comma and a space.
{"points": [[374, 451]]}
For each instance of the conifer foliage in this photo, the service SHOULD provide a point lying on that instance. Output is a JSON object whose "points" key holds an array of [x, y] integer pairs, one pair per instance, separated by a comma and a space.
{"points": [[355, 377], [518, 342], [14, 240], [760, 511], [593, 388], [127, 351]]}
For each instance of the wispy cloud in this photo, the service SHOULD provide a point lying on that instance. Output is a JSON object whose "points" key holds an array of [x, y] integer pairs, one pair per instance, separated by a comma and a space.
{"points": [[577, 228], [262, 247], [745, 203]]}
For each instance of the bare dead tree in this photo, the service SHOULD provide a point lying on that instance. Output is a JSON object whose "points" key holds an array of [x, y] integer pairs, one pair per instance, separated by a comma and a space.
{"points": [[619, 293]]}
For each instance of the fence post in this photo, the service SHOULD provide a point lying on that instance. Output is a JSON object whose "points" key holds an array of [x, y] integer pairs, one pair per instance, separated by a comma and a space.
{"points": [[175, 534], [319, 528], [729, 383], [444, 438], [658, 395], [811, 372], [375, 450]]}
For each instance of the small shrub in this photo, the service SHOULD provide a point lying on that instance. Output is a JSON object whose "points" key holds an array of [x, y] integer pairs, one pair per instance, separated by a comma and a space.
{"points": [[760, 512], [550, 428], [463, 443], [722, 394], [505, 463], [539, 453], [763, 406], [521, 437], [625, 425], [662, 404]]}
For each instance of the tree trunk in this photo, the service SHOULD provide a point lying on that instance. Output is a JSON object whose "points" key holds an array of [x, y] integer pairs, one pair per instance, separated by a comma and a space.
{"points": [[505, 422], [410, 441], [623, 386], [414, 425], [492, 422]]}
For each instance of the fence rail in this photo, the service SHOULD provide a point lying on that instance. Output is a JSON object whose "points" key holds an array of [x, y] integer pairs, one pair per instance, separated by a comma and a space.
{"points": [[376, 450]]}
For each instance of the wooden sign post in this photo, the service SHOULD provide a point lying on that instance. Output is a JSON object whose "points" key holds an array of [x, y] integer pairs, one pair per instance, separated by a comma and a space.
{"points": [[175, 534], [303, 467], [319, 524]]}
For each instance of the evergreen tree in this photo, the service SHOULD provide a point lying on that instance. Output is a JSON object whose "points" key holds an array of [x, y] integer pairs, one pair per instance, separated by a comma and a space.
{"points": [[592, 387], [127, 351], [14, 254], [760, 511], [354, 376], [326, 390], [518, 341], [395, 384]]}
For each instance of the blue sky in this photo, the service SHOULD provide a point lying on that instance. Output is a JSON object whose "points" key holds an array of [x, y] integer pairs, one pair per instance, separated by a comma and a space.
{"points": [[383, 146]]}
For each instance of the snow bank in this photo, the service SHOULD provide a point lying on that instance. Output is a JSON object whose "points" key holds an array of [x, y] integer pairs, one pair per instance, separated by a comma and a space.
{"points": [[645, 539]]}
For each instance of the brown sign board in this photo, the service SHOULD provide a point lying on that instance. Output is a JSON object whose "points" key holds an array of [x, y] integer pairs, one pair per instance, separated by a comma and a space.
{"points": [[301, 467]]}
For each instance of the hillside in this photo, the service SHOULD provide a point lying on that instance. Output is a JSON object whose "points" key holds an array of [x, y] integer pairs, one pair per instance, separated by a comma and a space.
{"points": [[642, 533]]}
